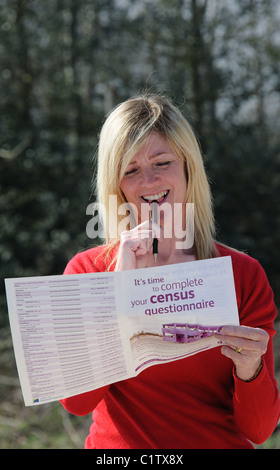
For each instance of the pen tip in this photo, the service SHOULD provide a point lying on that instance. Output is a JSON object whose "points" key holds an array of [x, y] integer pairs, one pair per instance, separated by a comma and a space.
{"points": [[155, 256]]}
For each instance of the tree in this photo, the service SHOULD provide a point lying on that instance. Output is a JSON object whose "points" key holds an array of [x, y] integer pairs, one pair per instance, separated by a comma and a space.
{"points": [[65, 64]]}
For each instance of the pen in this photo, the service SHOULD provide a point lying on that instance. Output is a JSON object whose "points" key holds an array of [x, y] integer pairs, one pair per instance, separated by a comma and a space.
{"points": [[154, 207]]}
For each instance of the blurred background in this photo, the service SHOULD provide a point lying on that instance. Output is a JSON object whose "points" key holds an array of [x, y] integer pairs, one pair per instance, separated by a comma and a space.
{"points": [[64, 64]]}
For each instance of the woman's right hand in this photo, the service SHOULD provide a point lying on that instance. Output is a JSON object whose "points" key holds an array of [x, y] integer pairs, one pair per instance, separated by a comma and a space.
{"points": [[136, 246]]}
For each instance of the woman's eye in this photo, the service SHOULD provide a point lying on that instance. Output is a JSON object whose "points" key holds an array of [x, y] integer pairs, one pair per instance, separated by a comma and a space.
{"points": [[163, 163], [135, 170], [130, 172]]}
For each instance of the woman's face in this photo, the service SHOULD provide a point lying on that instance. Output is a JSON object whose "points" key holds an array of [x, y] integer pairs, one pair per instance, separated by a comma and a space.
{"points": [[155, 173]]}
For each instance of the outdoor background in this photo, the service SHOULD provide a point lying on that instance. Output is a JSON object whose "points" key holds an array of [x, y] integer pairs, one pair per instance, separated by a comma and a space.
{"points": [[64, 64]]}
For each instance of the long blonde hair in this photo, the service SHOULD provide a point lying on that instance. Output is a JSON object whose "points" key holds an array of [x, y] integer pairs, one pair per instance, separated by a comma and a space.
{"points": [[124, 132]]}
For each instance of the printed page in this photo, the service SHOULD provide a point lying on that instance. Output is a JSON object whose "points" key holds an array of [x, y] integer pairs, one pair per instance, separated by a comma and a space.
{"points": [[173, 311], [68, 336], [76, 333]]}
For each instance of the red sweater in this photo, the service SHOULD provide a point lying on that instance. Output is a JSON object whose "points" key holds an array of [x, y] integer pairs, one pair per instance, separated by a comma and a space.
{"points": [[196, 402]]}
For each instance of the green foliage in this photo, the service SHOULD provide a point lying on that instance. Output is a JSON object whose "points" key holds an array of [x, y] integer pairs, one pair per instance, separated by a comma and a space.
{"points": [[43, 427], [65, 64]]}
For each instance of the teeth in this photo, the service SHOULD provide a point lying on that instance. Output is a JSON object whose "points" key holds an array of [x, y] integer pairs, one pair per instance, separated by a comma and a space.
{"points": [[155, 197]]}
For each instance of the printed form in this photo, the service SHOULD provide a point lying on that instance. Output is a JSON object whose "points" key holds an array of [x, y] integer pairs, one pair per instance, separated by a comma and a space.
{"points": [[66, 334], [75, 333]]}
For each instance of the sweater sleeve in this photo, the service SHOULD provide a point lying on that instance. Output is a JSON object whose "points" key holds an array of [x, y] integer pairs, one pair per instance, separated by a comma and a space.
{"points": [[256, 403], [86, 402]]}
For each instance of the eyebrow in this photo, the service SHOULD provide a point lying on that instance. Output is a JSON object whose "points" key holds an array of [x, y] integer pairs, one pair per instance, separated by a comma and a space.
{"points": [[132, 162]]}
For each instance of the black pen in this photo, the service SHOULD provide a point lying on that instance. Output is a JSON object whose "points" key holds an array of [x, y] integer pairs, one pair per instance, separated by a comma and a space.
{"points": [[154, 207]]}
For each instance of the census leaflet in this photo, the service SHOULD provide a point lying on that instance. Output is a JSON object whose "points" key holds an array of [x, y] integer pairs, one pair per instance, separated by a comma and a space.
{"points": [[76, 333]]}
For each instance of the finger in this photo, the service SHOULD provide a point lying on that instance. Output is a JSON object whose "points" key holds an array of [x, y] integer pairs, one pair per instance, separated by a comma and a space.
{"points": [[153, 229], [142, 250], [246, 346], [235, 342], [243, 343], [144, 234], [134, 235], [242, 331], [243, 358], [144, 245]]}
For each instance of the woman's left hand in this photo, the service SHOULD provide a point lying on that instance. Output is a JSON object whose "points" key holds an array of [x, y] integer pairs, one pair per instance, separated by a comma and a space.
{"points": [[245, 346]]}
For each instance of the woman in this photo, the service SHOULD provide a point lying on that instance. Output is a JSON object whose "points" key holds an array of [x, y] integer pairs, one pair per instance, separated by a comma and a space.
{"points": [[221, 398]]}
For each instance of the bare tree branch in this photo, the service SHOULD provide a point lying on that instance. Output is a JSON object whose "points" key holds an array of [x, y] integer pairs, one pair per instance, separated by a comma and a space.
{"points": [[17, 150]]}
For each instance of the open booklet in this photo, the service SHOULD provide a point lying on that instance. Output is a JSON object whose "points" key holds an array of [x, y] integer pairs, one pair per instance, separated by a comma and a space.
{"points": [[76, 333]]}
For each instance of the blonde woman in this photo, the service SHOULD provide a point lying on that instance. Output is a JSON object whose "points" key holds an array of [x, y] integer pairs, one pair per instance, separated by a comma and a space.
{"points": [[215, 399]]}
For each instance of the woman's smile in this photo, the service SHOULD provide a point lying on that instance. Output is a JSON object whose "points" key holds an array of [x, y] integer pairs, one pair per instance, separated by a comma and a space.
{"points": [[159, 197]]}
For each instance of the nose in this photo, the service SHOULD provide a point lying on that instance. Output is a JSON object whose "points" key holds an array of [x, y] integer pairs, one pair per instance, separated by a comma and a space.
{"points": [[150, 176]]}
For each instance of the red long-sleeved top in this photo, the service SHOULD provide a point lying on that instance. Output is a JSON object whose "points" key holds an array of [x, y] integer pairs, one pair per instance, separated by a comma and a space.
{"points": [[197, 402]]}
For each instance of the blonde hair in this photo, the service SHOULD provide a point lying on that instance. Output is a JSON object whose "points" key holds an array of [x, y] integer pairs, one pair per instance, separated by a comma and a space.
{"points": [[125, 131]]}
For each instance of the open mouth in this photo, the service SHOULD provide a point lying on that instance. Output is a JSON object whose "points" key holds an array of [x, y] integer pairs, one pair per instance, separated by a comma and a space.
{"points": [[159, 197]]}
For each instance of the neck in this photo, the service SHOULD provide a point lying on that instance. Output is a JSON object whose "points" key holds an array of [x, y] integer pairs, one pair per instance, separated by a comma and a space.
{"points": [[172, 251]]}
